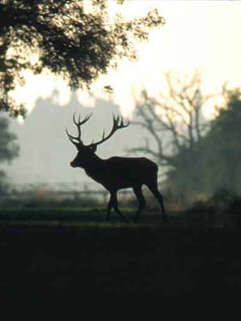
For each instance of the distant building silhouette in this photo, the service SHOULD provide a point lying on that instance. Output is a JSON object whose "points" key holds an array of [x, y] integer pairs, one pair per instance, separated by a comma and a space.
{"points": [[45, 152]]}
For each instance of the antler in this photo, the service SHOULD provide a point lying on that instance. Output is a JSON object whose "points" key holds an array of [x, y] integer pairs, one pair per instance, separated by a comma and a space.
{"points": [[118, 123], [76, 140]]}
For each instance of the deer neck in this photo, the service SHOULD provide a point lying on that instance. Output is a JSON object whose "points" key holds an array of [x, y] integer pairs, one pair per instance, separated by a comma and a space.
{"points": [[94, 164], [95, 169]]}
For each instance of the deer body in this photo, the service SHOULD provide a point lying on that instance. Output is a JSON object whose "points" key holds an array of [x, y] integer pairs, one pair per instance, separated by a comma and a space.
{"points": [[121, 172], [116, 173]]}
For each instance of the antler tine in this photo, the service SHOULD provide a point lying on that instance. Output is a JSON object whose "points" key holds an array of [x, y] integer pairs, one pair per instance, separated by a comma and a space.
{"points": [[78, 128], [71, 138], [118, 123], [103, 135], [116, 120], [77, 139], [79, 123]]}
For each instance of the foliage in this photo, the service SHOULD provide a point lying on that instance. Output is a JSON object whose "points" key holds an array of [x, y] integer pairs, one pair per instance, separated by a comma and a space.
{"points": [[215, 161], [8, 149], [64, 38], [223, 146], [201, 158]]}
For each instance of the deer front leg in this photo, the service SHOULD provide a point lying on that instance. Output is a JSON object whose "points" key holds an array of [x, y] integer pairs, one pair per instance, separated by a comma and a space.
{"points": [[113, 203]]}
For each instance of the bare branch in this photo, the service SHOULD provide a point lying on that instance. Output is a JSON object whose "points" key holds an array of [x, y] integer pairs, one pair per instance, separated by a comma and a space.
{"points": [[179, 117], [162, 159]]}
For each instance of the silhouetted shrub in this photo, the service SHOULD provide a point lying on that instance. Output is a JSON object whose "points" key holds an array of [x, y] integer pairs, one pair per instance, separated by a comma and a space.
{"points": [[234, 206], [202, 206], [201, 214], [221, 199], [233, 214]]}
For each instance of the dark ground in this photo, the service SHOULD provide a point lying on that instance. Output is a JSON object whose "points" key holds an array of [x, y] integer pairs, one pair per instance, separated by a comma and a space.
{"points": [[51, 251]]}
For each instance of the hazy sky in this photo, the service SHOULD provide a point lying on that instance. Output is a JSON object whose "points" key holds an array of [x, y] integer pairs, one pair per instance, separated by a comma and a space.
{"points": [[203, 35]]}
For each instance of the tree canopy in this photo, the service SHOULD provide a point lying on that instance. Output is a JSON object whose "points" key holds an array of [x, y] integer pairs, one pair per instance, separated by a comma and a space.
{"points": [[64, 38], [223, 146]]}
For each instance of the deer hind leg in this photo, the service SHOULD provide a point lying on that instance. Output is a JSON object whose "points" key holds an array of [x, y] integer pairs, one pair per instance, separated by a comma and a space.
{"points": [[141, 200], [113, 203], [153, 188]]}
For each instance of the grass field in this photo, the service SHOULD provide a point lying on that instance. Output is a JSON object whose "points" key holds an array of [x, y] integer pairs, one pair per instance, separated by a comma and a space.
{"points": [[58, 250]]}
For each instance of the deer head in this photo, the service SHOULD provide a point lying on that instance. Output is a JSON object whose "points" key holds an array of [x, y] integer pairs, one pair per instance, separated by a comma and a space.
{"points": [[86, 153]]}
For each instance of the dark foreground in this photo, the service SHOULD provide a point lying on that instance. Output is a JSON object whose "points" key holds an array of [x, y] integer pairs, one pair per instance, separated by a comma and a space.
{"points": [[43, 254]]}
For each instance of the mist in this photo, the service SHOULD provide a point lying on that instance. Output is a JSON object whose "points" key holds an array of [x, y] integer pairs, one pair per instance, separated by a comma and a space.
{"points": [[46, 152]]}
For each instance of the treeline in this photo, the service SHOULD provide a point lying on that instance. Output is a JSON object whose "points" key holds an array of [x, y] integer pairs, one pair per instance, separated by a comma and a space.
{"points": [[213, 165], [201, 157]]}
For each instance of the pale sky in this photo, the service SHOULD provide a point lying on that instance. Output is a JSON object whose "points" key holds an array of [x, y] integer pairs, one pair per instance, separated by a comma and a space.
{"points": [[203, 35]]}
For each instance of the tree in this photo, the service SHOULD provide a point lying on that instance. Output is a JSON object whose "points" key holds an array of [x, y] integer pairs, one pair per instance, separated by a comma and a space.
{"points": [[8, 149], [175, 123], [223, 146], [65, 39], [199, 157]]}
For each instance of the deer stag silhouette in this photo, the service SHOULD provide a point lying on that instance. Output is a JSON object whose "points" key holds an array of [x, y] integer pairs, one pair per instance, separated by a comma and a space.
{"points": [[116, 172]]}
